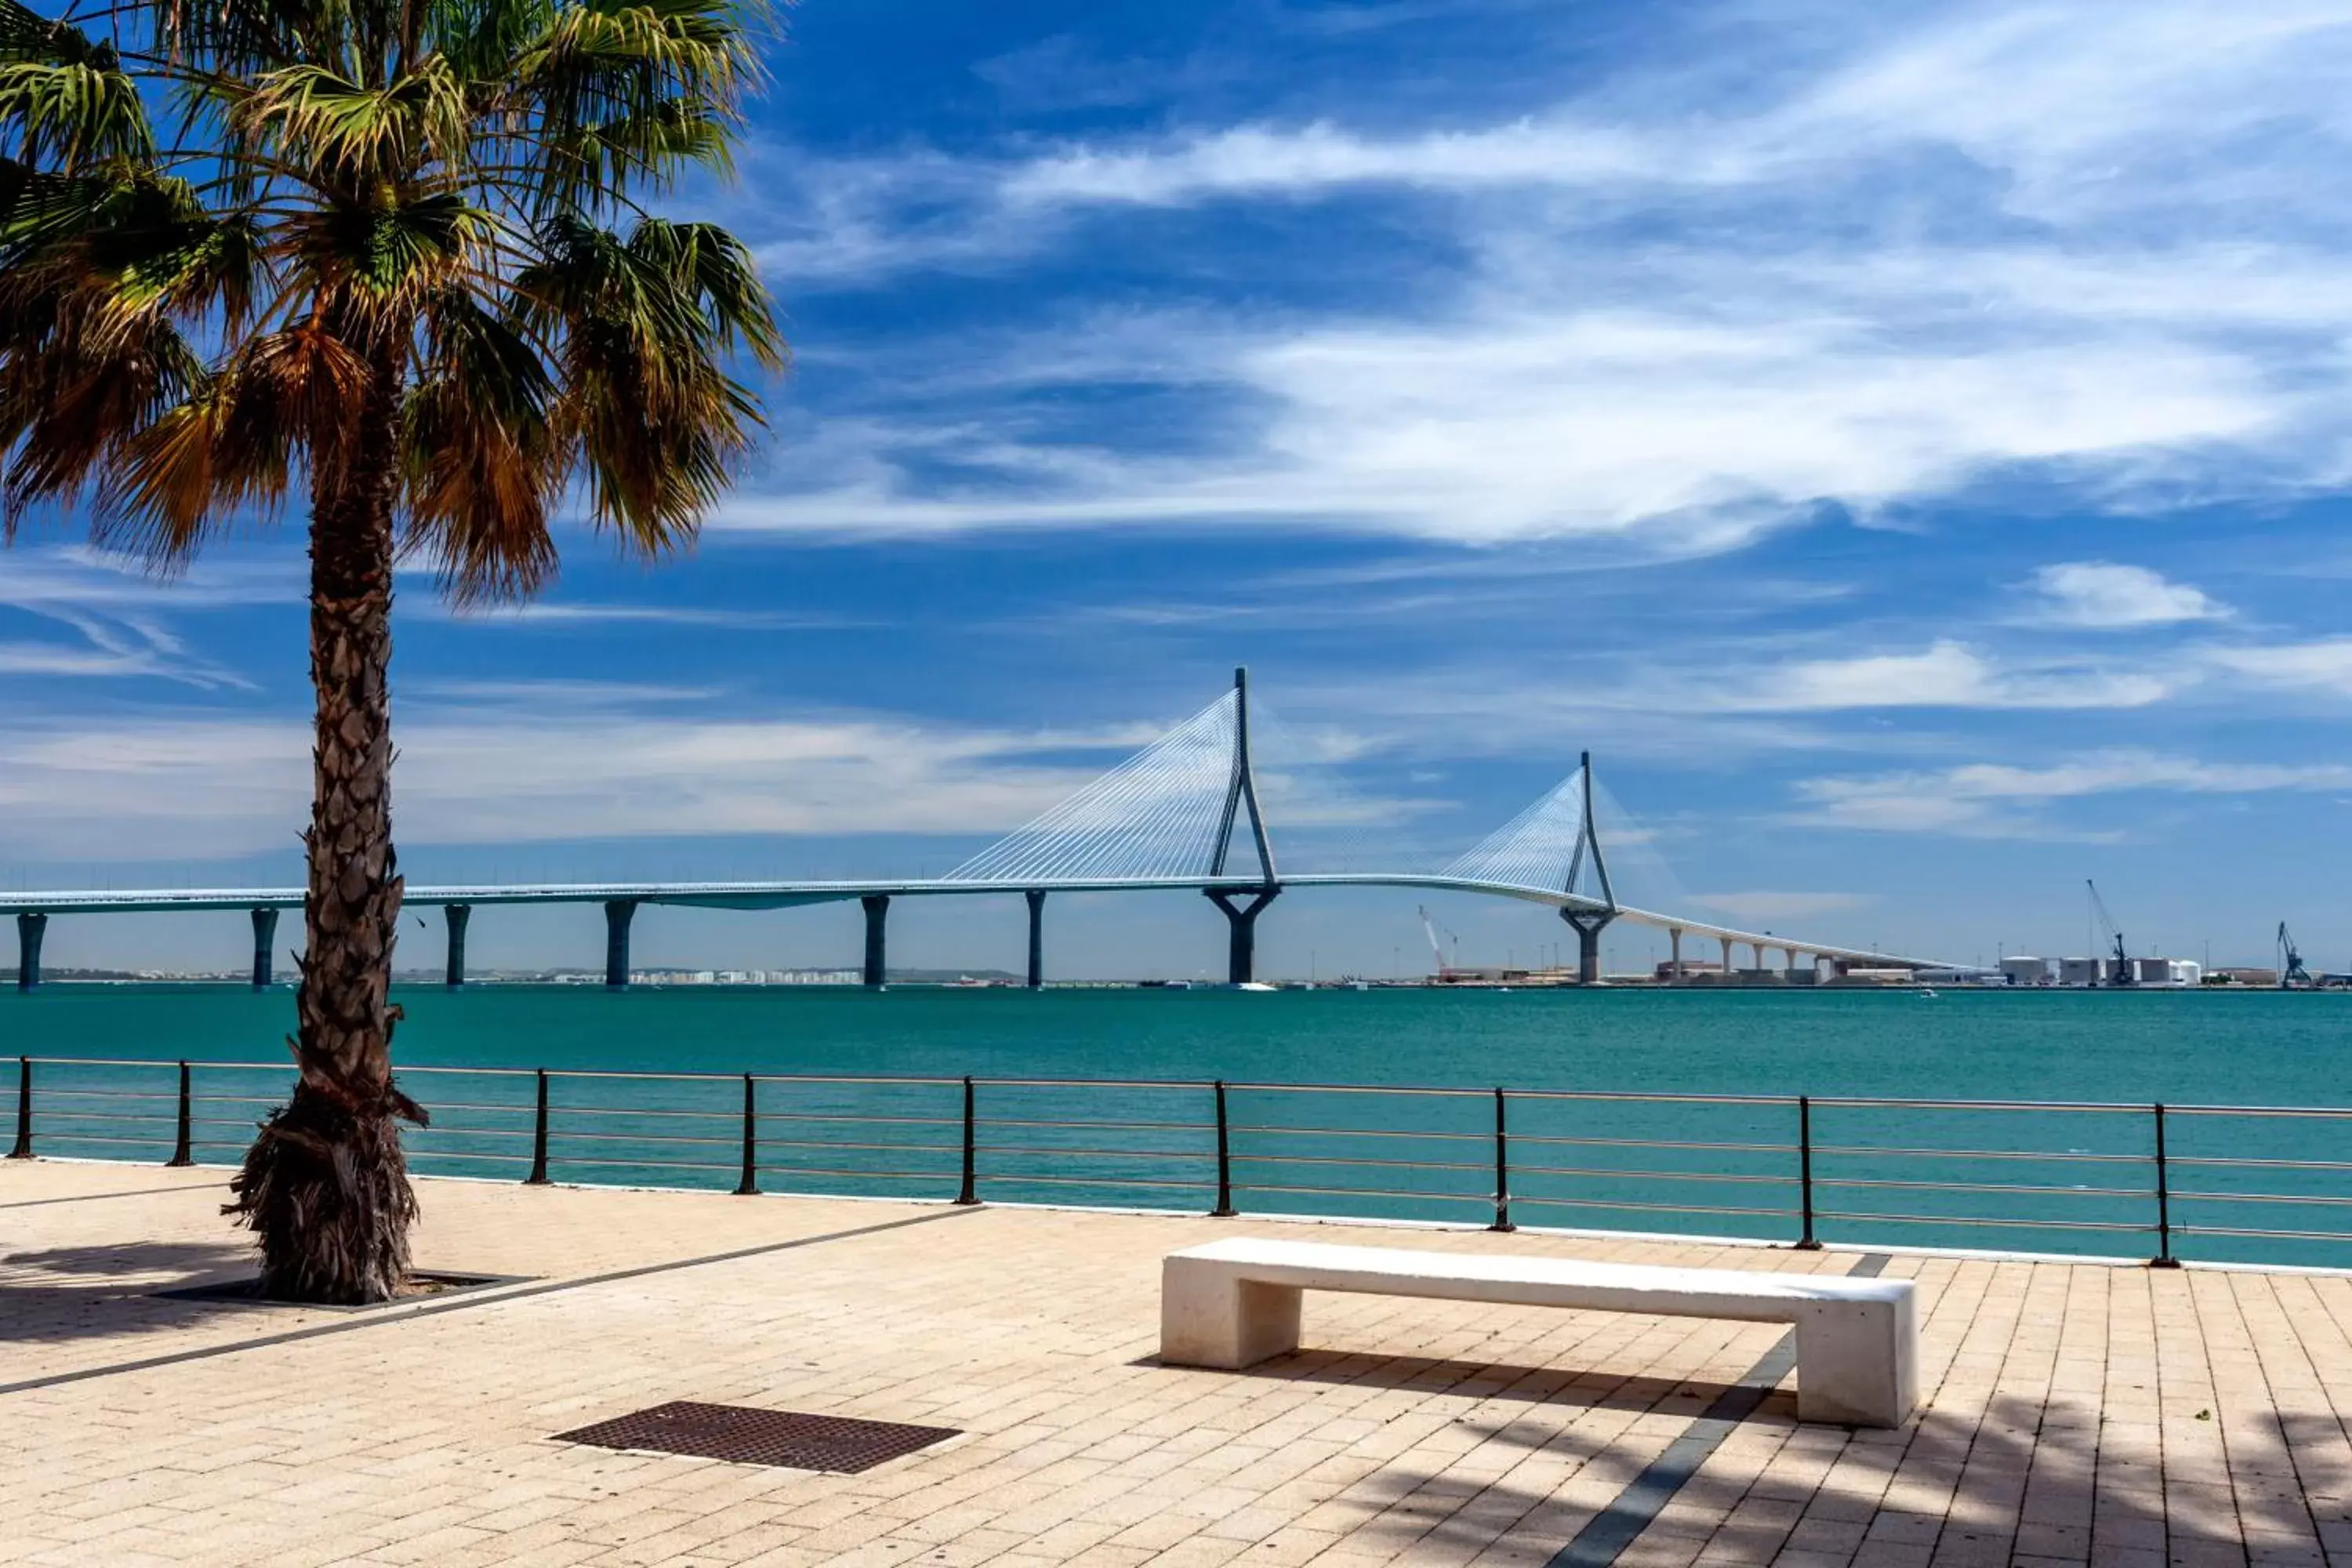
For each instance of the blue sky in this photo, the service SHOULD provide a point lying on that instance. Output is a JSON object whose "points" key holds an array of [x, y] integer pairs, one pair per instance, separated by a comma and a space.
{"points": [[1906, 444]]}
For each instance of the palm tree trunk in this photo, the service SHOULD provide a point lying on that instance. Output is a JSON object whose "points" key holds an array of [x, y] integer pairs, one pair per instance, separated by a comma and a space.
{"points": [[325, 1187]]}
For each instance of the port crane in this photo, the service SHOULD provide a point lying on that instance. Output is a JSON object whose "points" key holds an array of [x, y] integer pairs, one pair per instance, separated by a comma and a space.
{"points": [[2110, 934], [1428, 926], [2293, 975]]}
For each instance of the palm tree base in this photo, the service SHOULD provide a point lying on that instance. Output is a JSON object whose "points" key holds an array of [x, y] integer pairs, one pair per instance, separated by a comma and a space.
{"points": [[325, 1191]]}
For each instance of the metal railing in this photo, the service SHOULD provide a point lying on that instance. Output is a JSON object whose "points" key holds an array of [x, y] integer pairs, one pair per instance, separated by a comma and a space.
{"points": [[2079, 1176]]}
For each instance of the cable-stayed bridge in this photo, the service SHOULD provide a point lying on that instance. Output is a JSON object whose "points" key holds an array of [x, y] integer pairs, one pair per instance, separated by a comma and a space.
{"points": [[1184, 814]]}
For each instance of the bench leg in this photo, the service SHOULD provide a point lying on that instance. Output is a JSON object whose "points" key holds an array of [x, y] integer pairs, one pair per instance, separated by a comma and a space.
{"points": [[1858, 1362], [1209, 1316]]}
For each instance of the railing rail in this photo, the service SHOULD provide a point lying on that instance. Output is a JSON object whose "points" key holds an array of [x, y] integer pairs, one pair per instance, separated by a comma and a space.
{"points": [[1796, 1169]]}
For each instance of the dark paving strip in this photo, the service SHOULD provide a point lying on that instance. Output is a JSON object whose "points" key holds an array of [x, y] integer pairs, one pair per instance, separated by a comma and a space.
{"points": [[100, 1197], [1614, 1528], [434, 1309]]}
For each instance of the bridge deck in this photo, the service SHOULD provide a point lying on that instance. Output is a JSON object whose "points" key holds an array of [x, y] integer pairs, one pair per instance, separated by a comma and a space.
{"points": [[792, 894]]}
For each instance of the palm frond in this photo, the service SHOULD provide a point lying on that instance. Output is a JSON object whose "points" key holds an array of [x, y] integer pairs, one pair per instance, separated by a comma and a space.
{"points": [[73, 111], [72, 396], [651, 80], [359, 195], [481, 454], [314, 116]]}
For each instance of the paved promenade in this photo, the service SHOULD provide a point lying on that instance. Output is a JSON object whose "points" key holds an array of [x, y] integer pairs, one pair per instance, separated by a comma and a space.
{"points": [[2073, 1414]]}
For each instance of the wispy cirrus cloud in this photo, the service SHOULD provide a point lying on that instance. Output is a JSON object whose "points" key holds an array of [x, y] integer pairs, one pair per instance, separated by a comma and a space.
{"points": [[1987, 800], [173, 788], [1894, 259], [99, 617], [1951, 674], [538, 761], [2324, 665]]}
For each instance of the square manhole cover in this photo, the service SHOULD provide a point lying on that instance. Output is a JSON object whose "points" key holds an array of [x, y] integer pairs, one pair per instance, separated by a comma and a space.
{"points": [[744, 1436]]}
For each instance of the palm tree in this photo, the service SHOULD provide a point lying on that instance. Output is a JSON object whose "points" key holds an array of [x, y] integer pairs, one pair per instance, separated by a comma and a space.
{"points": [[391, 253]]}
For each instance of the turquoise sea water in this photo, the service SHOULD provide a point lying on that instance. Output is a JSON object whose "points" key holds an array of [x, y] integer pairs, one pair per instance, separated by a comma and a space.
{"points": [[1902, 1173], [2264, 1048]]}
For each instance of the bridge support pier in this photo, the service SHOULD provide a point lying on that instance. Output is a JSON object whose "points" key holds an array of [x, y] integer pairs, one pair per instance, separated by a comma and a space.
{"points": [[878, 915], [1675, 948], [30, 928], [1241, 923], [618, 913], [452, 973], [1036, 898], [1588, 924], [265, 933]]}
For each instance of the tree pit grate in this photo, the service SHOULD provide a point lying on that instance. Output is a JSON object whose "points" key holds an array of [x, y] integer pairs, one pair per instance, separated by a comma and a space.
{"points": [[743, 1435]]}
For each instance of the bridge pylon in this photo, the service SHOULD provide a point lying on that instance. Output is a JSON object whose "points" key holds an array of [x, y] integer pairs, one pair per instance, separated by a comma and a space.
{"points": [[1241, 795], [1588, 923]]}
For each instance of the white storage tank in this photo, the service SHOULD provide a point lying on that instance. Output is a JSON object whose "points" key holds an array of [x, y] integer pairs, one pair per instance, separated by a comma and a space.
{"points": [[2085, 971], [2021, 970], [2167, 974]]}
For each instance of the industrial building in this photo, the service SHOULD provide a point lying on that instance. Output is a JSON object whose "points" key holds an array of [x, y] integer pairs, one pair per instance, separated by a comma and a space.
{"points": [[2021, 969], [2148, 974]]}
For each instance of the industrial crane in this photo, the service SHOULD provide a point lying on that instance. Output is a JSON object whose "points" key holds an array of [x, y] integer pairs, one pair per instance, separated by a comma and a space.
{"points": [[2108, 931], [2293, 975], [1444, 971]]}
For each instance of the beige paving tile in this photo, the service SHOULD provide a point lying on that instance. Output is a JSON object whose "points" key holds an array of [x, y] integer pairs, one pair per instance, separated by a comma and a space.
{"points": [[2076, 1413]]}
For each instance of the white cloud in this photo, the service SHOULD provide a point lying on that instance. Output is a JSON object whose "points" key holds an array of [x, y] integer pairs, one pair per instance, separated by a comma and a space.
{"points": [[532, 762], [1948, 674], [561, 613], [2057, 95], [2322, 666], [1980, 243], [182, 788], [1696, 435], [2102, 595], [1258, 161], [117, 646], [1990, 800]]}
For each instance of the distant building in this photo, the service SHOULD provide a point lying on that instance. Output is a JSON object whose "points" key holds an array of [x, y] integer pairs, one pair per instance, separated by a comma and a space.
{"points": [[2244, 975], [2167, 974], [2086, 972], [1855, 974], [2020, 969]]}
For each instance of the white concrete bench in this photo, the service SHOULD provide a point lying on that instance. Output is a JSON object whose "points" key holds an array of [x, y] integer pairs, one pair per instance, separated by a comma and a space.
{"points": [[1233, 1303]]}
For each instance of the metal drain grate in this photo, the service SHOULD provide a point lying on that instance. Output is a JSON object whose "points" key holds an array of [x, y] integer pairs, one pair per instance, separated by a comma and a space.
{"points": [[745, 1435]]}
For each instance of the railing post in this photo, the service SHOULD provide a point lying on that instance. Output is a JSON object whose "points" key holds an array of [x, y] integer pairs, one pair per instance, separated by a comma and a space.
{"points": [[183, 1145], [1502, 1168], [23, 1149], [1808, 1242], [1225, 1209], [750, 1185], [538, 1177], [969, 1193], [2163, 1258]]}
